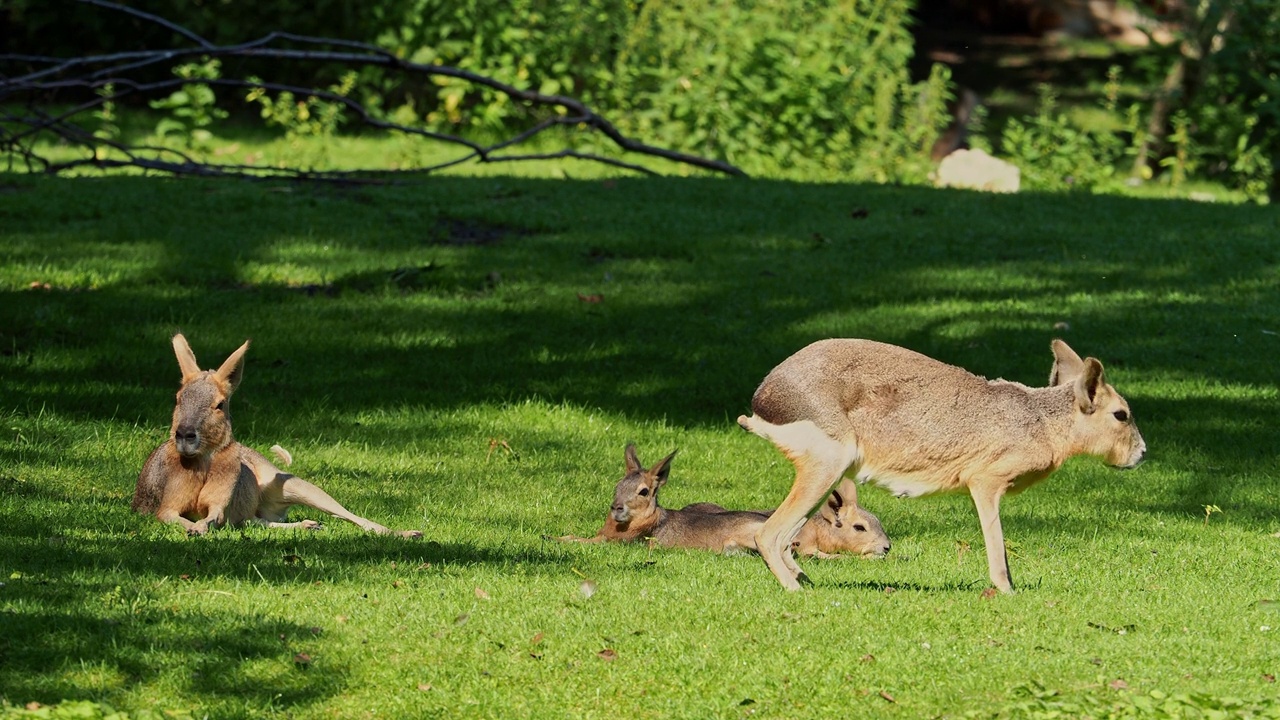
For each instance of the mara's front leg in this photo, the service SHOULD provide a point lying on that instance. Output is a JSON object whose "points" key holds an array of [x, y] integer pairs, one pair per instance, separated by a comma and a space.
{"points": [[986, 498]]}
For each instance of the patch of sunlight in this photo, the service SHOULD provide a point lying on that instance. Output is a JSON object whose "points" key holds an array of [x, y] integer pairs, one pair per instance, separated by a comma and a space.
{"points": [[95, 678], [27, 262]]}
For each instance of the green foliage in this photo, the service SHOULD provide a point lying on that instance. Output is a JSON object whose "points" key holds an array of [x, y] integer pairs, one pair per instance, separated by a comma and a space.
{"points": [[1054, 154], [1229, 125], [311, 118], [192, 108], [774, 85], [820, 89]]}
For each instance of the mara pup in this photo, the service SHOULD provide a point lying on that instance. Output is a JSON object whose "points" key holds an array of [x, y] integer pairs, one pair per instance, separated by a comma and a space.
{"points": [[917, 426], [201, 478], [636, 514], [839, 527]]}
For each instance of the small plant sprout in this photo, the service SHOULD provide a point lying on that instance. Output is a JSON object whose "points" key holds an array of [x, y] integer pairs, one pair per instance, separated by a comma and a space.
{"points": [[1209, 510]]}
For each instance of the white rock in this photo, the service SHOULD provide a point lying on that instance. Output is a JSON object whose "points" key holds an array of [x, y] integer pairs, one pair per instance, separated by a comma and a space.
{"points": [[976, 170]]}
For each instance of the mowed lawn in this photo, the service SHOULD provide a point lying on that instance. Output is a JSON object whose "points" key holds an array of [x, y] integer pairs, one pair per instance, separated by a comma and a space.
{"points": [[468, 356]]}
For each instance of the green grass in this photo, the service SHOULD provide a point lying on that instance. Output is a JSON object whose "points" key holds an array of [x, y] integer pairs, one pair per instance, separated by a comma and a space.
{"points": [[389, 382]]}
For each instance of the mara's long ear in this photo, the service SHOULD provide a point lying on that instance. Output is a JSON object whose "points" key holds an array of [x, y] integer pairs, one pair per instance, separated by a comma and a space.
{"points": [[633, 461], [830, 510], [1067, 365], [232, 370], [186, 359], [663, 468], [1091, 381]]}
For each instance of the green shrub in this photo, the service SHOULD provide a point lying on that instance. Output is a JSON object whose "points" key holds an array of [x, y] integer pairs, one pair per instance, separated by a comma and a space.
{"points": [[815, 88], [1053, 154]]}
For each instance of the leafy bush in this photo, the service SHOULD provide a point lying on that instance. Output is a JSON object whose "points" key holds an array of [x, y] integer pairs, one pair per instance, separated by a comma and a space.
{"points": [[1234, 118], [821, 88], [1053, 154], [777, 85]]}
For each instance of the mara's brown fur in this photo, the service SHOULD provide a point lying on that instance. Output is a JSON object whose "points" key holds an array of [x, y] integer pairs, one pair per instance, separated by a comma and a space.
{"points": [[839, 527], [918, 426], [202, 478], [636, 515]]}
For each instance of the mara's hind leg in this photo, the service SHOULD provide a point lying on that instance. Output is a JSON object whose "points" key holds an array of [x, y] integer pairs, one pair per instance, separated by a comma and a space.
{"points": [[820, 462], [289, 489]]}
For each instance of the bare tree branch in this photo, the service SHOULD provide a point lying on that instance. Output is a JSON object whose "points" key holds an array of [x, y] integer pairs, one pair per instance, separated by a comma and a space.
{"points": [[114, 77]]}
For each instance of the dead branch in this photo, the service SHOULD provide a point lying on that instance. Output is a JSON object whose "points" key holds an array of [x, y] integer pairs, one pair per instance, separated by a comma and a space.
{"points": [[98, 80]]}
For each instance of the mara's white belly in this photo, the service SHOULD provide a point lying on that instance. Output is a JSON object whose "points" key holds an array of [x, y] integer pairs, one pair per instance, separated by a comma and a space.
{"points": [[902, 485]]}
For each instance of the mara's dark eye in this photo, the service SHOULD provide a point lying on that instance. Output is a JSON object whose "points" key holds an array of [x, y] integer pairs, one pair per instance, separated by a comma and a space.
{"points": [[644, 492], [860, 527], [222, 405], [1121, 415]]}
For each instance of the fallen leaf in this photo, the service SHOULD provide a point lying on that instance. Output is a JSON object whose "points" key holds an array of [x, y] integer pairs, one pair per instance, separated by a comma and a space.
{"points": [[315, 629], [593, 298], [989, 593], [461, 619], [536, 639], [607, 654], [747, 701], [887, 696], [342, 619], [480, 593], [868, 658], [33, 705], [1268, 677], [291, 559], [397, 583], [1118, 684], [424, 686], [889, 589], [302, 660], [184, 577], [587, 588]]}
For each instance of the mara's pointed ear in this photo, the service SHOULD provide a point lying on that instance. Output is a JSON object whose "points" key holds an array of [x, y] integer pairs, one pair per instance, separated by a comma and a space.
{"points": [[830, 510], [1067, 365], [186, 359], [633, 462], [663, 468], [1088, 384], [232, 370]]}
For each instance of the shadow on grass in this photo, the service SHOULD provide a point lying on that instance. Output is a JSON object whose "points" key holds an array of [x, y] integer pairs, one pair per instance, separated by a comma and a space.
{"points": [[706, 284], [51, 655]]}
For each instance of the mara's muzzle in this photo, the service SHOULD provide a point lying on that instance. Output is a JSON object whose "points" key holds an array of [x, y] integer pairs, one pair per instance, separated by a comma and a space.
{"points": [[187, 440]]}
